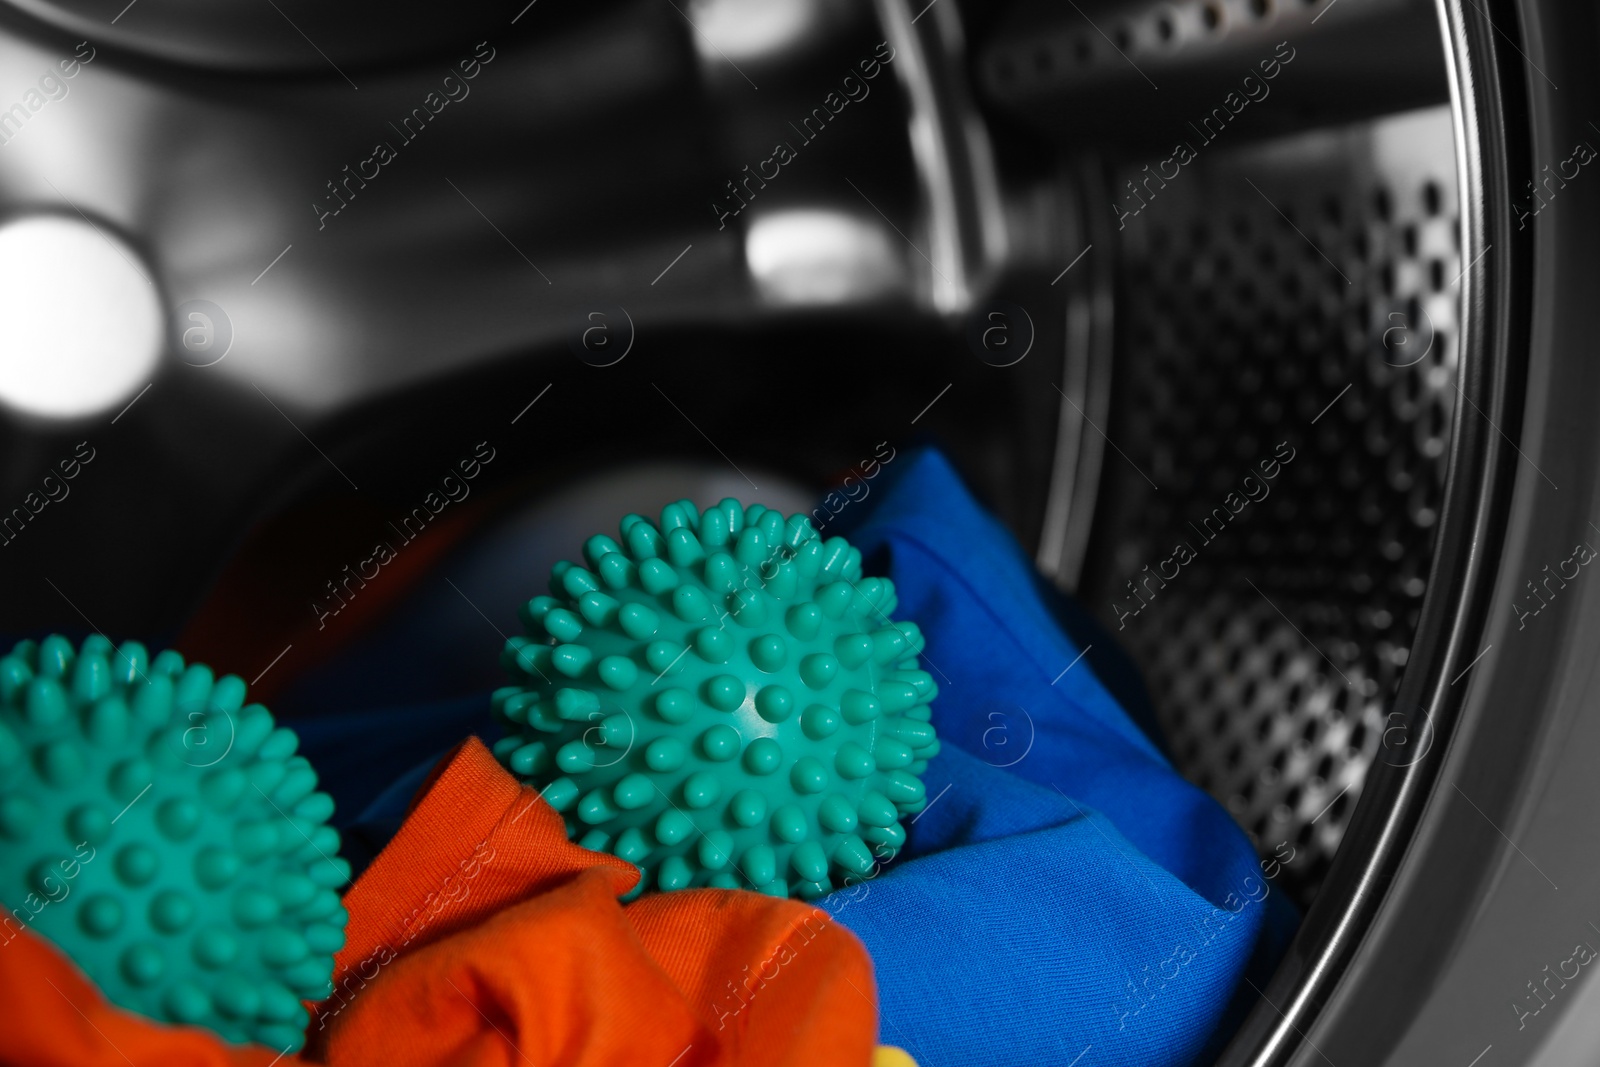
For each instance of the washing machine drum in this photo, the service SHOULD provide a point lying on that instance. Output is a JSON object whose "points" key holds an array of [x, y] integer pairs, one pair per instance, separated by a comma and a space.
{"points": [[1258, 322]]}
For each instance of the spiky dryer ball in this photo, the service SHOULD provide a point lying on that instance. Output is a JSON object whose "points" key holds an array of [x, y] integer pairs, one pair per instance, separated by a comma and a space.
{"points": [[723, 700], [164, 834]]}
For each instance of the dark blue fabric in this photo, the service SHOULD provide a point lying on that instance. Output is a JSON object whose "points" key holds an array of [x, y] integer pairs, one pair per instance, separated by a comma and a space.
{"points": [[1065, 893]]}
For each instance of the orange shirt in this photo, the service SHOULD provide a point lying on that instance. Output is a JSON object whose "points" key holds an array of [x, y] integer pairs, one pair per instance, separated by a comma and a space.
{"points": [[482, 936]]}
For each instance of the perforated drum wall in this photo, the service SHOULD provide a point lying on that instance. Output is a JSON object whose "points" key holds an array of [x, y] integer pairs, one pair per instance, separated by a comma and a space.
{"points": [[1284, 312]]}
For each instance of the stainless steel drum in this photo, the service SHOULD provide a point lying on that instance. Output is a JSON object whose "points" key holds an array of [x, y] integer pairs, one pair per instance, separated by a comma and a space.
{"points": [[1259, 321]]}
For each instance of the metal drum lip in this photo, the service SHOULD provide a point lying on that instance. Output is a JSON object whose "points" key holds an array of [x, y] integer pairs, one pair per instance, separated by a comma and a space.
{"points": [[1492, 136]]}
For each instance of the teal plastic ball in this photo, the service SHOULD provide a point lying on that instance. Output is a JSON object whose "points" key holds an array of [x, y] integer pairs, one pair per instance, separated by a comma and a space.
{"points": [[723, 700], [163, 833]]}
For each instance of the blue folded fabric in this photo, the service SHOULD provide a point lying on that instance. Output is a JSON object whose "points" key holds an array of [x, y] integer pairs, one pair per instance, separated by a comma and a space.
{"points": [[1065, 890], [1065, 897]]}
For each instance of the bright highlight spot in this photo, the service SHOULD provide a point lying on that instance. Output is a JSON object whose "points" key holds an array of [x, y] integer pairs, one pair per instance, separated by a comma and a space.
{"points": [[747, 29], [80, 322], [821, 257]]}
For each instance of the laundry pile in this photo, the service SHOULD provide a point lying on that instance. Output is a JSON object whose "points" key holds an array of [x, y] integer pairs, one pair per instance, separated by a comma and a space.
{"points": [[1062, 895]]}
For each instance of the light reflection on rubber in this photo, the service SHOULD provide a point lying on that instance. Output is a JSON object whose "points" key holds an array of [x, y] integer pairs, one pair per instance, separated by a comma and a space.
{"points": [[80, 319]]}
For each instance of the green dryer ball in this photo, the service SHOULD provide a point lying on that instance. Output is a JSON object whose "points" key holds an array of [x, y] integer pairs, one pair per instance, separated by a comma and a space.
{"points": [[164, 835], [722, 700]]}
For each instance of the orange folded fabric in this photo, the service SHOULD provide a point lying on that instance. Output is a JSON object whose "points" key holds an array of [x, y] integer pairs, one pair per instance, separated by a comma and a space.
{"points": [[55, 1017], [482, 936]]}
